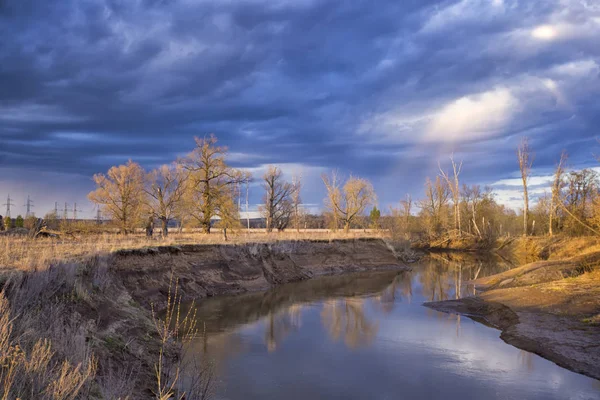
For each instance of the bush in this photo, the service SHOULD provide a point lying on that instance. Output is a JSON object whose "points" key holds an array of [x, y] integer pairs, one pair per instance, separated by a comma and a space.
{"points": [[30, 222]]}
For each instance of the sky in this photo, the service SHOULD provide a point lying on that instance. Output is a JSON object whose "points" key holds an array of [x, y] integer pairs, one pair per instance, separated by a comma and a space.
{"points": [[384, 90]]}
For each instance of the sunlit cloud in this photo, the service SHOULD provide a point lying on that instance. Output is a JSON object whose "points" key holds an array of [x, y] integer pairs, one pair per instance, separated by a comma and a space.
{"points": [[473, 117], [544, 32]]}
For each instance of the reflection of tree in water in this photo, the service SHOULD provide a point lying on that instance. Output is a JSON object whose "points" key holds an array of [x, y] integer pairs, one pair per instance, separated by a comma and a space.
{"points": [[205, 357], [527, 359], [345, 319], [435, 280], [282, 323], [447, 275], [400, 288]]}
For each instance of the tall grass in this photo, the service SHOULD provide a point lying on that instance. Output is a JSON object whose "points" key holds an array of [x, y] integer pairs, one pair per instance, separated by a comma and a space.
{"points": [[35, 372]]}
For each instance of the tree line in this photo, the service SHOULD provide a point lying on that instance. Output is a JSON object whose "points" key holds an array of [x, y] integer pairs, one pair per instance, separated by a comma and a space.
{"points": [[570, 205], [201, 188]]}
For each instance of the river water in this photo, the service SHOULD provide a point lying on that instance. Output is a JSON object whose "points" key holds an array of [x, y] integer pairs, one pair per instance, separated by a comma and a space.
{"points": [[367, 336]]}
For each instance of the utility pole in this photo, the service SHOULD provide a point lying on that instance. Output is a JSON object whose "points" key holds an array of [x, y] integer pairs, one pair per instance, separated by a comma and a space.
{"points": [[247, 215], [29, 206], [65, 211], [75, 211], [98, 216], [239, 195], [56, 209], [8, 204]]}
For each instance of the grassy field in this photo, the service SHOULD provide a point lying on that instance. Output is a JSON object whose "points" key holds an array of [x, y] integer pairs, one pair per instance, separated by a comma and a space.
{"points": [[23, 253]]}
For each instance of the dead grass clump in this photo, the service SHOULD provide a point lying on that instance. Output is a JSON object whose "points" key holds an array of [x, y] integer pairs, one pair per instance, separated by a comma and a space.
{"points": [[594, 320], [35, 372]]}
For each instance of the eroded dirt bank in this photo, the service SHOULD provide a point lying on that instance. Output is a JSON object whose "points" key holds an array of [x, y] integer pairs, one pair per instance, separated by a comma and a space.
{"points": [[210, 270], [103, 303], [549, 307]]}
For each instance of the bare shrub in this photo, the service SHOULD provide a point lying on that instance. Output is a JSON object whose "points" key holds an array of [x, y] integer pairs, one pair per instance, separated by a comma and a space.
{"points": [[179, 376]]}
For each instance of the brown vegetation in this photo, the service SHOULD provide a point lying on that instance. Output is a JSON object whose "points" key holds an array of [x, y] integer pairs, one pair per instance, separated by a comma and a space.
{"points": [[279, 206], [348, 201], [19, 252]]}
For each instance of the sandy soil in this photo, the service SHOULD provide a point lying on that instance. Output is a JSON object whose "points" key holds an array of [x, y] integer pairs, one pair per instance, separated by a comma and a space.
{"points": [[551, 308]]}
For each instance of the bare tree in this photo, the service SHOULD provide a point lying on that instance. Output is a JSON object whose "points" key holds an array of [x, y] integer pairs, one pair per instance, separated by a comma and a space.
{"points": [[278, 206], [525, 159], [297, 201], [349, 201], [333, 197], [165, 187], [406, 210], [557, 186], [473, 196], [120, 193], [212, 181], [454, 186], [434, 204]]}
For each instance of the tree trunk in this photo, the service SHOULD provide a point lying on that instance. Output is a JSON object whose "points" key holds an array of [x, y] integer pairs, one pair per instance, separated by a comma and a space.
{"points": [[347, 227], [525, 209], [206, 225], [165, 228], [551, 216]]}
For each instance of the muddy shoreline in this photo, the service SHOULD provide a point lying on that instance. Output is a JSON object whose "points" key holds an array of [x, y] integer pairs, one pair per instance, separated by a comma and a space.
{"points": [[565, 341]]}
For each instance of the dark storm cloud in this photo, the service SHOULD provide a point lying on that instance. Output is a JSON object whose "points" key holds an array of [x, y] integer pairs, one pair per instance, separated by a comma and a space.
{"points": [[372, 89]]}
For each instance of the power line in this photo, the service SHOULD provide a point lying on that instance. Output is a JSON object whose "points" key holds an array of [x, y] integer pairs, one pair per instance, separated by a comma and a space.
{"points": [[8, 204], [29, 206], [65, 211], [75, 210], [247, 215]]}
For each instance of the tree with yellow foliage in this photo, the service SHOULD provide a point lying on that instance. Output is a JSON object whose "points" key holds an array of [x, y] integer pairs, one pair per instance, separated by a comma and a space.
{"points": [[121, 195]]}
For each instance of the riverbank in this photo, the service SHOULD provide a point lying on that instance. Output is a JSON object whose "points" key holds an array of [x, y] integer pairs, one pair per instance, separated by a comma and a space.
{"points": [[99, 310], [550, 307]]}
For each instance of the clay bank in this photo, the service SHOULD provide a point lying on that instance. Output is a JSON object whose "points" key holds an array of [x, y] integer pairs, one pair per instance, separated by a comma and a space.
{"points": [[212, 270]]}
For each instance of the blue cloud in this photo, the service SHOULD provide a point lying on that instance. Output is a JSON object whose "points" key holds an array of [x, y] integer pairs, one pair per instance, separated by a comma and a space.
{"points": [[383, 91]]}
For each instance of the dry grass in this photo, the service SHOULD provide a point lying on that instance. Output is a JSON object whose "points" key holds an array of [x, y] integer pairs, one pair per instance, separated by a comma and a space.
{"points": [[23, 253], [36, 372]]}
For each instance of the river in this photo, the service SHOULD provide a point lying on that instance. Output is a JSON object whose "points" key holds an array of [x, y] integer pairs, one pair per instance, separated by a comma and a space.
{"points": [[367, 336]]}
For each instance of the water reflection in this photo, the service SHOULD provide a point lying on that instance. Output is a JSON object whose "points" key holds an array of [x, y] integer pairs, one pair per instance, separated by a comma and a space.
{"points": [[366, 335], [346, 320]]}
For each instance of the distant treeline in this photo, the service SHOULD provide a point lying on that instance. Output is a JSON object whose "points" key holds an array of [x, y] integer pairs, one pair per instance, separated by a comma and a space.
{"points": [[202, 190]]}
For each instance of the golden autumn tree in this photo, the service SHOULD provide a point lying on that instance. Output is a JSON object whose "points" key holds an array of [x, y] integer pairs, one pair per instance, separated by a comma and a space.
{"points": [[349, 201], [212, 182], [120, 193]]}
